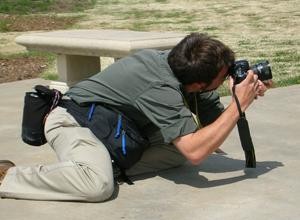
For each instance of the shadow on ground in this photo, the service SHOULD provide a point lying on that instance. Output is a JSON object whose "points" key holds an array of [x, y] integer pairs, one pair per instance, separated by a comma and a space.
{"points": [[195, 176]]}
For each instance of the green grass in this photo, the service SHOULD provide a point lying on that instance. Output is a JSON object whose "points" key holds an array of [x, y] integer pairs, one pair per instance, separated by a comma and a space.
{"points": [[24, 6], [191, 28], [162, 1], [210, 29], [4, 25], [43, 6], [49, 75], [152, 14], [292, 80]]}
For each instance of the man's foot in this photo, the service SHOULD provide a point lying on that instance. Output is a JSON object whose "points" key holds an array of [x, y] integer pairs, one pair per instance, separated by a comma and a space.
{"points": [[4, 166]]}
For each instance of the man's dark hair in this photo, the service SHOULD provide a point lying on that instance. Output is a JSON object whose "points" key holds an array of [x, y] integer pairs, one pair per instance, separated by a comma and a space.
{"points": [[199, 58]]}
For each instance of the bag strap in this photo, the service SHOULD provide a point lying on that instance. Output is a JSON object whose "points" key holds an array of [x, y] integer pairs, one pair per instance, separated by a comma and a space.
{"points": [[245, 136], [52, 96], [44, 91]]}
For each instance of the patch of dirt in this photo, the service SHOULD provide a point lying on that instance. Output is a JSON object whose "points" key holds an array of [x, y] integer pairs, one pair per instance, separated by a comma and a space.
{"points": [[12, 69], [12, 25], [20, 68], [36, 22]]}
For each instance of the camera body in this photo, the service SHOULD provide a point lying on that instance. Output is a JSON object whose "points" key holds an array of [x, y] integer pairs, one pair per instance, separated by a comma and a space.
{"points": [[239, 69]]}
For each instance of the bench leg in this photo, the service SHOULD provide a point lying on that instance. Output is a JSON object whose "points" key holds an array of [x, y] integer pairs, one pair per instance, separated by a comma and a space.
{"points": [[73, 68]]}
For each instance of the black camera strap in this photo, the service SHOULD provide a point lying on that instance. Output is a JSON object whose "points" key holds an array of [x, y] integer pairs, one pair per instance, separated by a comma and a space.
{"points": [[245, 136]]}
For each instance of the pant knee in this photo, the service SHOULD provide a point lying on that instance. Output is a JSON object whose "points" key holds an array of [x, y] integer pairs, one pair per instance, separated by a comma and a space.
{"points": [[101, 191], [96, 186]]}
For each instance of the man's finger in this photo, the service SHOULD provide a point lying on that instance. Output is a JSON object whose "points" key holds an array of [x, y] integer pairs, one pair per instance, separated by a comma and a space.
{"points": [[268, 83], [251, 77]]}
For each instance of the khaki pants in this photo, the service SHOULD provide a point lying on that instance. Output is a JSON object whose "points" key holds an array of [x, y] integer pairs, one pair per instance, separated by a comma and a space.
{"points": [[84, 171]]}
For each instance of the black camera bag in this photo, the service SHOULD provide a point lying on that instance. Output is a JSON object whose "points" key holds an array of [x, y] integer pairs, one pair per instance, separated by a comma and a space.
{"points": [[118, 133], [37, 106]]}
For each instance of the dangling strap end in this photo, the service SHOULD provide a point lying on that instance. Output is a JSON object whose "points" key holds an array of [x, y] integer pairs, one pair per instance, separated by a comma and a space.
{"points": [[119, 126], [91, 112], [124, 143]]}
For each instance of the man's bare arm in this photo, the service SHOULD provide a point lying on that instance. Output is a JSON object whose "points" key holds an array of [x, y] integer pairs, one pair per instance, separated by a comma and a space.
{"points": [[197, 146]]}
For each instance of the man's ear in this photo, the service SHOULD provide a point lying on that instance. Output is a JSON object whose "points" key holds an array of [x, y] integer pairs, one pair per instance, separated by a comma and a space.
{"points": [[202, 85], [195, 87], [199, 86]]}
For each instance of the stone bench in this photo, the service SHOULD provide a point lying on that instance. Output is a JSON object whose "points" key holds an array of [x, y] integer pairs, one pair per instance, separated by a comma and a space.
{"points": [[79, 51]]}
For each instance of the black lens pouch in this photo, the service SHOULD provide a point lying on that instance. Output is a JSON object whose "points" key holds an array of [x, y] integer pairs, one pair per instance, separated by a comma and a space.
{"points": [[37, 106]]}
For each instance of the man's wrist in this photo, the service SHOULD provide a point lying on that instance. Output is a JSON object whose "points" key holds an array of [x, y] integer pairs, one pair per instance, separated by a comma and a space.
{"points": [[233, 109]]}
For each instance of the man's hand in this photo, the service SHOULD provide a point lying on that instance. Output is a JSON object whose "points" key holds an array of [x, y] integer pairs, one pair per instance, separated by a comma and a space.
{"points": [[249, 89], [263, 86]]}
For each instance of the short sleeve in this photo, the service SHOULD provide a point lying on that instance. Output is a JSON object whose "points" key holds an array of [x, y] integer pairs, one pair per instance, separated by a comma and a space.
{"points": [[163, 105]]}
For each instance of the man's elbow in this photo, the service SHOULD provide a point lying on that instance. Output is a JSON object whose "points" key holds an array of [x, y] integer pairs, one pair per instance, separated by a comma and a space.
{"points": [[194, 158], [193, 154]]}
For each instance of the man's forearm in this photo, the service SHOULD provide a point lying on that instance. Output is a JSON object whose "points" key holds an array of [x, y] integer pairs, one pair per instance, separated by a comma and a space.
{"points": [[197, 146]]}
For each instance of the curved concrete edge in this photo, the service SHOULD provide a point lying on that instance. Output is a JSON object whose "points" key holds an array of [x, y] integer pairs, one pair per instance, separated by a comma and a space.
{"points": [[110, 43]]}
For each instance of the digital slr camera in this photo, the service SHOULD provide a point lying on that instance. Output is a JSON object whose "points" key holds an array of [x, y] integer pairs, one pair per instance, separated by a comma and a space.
{"points": [[239, 69]]}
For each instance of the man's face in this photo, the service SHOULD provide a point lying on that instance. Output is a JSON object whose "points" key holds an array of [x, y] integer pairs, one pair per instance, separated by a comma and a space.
{"points": [[203, 87], [218, 81]]}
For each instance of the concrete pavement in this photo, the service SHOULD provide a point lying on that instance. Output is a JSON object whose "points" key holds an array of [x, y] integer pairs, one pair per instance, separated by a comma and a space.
{"points": [[219, 188]]}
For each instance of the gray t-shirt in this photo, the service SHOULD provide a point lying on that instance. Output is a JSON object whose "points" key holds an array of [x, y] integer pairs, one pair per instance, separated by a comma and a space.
{"points": [[143, 87]]}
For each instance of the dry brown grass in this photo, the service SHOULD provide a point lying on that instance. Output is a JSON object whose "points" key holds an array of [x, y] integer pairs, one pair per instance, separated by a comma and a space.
{"points": [[256, 30]]}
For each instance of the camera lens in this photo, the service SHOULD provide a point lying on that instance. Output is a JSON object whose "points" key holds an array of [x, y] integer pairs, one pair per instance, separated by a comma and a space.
{"points": [[263, 70]]}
